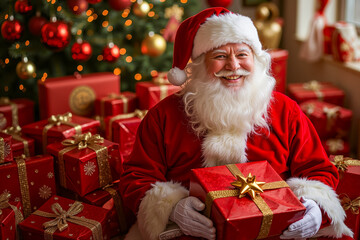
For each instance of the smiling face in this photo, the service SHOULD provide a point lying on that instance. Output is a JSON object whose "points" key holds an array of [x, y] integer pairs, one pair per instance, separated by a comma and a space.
{"points": [[230, 63]]}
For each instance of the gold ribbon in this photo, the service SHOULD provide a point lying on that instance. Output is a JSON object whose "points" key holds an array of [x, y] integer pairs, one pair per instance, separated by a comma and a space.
{"points": [[82, 141], [2, 150], [314, 86], [258, 200], [118, 206], [347, 204], [335, 145], [342, 163], [163, 83], [24, 185], [14, 109], [4, 203], [57, 120], [62, 217], [15, 132], [137, 113], [115, 96], [331, 115]]}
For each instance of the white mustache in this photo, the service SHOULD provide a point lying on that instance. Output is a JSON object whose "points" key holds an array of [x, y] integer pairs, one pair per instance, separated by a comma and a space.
{"points": [[225, 73]]}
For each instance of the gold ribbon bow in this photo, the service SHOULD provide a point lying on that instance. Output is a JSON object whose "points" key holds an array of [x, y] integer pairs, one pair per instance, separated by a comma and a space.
{"points": [[82, 141], [14, 109], [258, 200], [57, 120], [335, 145], [342, 163], [62, 217], [248, 185], [353, 205], [115, 96], [314, 86], [15, 132], [4, 203], [331, 115], [137, 113]]}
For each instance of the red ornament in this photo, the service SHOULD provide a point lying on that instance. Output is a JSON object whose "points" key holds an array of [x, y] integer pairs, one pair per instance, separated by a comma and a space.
{"points": [[94, 1], [55, 35], [78, 6], [81, 51], [219, 3], [35, 24], [111, 53], [11, 29], [119, 5], [23, 6]]}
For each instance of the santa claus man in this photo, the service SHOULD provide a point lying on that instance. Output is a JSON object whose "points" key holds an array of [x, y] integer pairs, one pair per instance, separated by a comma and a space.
{"points": [[226, 112]]}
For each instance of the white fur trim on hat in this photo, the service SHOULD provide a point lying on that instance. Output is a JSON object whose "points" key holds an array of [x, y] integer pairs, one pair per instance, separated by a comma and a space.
{"points": [[176, 76], [155, 208], [327, 200], [219, 30]]}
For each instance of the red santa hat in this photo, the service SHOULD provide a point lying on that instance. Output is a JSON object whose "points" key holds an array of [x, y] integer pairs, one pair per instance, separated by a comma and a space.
{"points": [[207, 30]]}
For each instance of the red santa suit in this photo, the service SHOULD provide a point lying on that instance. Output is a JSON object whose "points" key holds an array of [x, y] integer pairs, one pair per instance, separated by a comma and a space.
{"points": [[156, 176]]}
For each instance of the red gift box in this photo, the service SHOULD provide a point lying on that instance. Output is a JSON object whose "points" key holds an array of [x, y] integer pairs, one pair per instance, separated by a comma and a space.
{"points": [[249, 218], [86, 162], [58, 128], [328, 32], [84, 221], [348, 190], [329, 120], [115, 104], [5, 148], [336, 146], [30, 180], [278, 68], [150, 93], [323, 91], [122, 129], [16, 112], [20, 144], [11, 215], [75, 94]]}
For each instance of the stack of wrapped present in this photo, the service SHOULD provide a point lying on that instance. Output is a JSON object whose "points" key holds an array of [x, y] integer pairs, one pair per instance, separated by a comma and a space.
{"points": [[68, 161], [323, 103]]}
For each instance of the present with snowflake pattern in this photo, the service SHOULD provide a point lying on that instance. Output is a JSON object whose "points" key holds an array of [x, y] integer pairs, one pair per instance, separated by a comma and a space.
{"points": [[29, 180], [5, 148], [10, 216], [86, 162]]}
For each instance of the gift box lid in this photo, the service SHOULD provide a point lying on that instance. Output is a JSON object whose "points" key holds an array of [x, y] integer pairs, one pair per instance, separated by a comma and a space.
{"points": [[320, 109], [301, 89], [63, 130], [101, 196], [34, 223]]}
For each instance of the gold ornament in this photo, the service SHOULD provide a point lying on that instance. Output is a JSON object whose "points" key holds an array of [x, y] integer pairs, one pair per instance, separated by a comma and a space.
{"points": [[25, 69], [174, 11], [268, 26], [248, 185], [141, 8], [153, 45]]}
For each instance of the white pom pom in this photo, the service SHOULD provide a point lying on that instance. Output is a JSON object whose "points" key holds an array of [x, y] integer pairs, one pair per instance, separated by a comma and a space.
{"points": [[176, 76]]}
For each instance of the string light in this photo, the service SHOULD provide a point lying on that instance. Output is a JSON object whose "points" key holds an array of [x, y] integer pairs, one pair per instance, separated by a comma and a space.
{"points": [[183, 1], [105, 12], [27, 43], [80, 68], [59, 8], [105, 23], [151, 14], [7, 60], [6, 16], [88, 12], [117, 71], [154, 73], [17, 46], [6, 88], [128, 22], [21, 87], [79, 32], [122, 51], [128, 59], [138, 77], [110, 28], [100, 58], [128, 36]]}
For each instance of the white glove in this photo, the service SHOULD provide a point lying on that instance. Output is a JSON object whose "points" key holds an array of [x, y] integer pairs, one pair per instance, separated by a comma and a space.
{"points": [[186, 215], [309, 225]]}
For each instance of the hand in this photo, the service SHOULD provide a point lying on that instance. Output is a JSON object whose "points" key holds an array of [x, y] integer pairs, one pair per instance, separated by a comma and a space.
{"points": [[186, 215], [309, 225]]}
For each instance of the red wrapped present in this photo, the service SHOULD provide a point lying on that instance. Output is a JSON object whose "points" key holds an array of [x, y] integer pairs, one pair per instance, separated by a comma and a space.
{"points": [[345, 43], [115, 104], [336, 146], [348, 190], [29, 180], [86, 162], [323, 91], [75, 94], [328, 31], [122, 129], [278, 68], [10, 216], [5, 148], [152, 92], [58, 128], [16, 112], [19, 144], [225, 190], [62, 218], [329, 120]]}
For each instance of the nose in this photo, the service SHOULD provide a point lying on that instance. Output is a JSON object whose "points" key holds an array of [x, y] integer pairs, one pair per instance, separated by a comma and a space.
{"points": [[232, 63]]}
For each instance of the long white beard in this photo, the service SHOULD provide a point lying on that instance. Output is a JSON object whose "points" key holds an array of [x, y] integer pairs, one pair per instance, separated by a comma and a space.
{"points": [[226, 117]]}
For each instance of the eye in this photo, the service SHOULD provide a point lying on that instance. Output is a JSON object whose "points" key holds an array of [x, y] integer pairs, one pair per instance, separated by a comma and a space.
{"points": [[220, 56], [242, 54]]}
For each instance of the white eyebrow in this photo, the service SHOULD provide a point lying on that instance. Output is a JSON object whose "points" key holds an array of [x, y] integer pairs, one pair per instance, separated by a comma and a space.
{"points": [[245, 49], [219, 51]]}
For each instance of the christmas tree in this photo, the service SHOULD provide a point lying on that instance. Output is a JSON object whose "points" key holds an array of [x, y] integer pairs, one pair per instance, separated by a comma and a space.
{"points": [[52, 38]]}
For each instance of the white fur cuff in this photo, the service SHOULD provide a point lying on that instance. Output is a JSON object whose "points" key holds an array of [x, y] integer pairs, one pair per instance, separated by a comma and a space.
{"points": [[155, 208]]}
